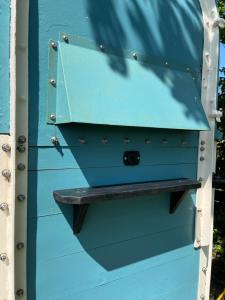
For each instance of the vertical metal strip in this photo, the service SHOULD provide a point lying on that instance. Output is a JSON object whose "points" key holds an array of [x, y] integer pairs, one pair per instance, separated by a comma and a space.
{"points": [[19, 137], [207, 147]]}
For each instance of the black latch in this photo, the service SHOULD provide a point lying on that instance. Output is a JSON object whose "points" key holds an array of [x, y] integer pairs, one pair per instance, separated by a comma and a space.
{"points": [[131, 158]]}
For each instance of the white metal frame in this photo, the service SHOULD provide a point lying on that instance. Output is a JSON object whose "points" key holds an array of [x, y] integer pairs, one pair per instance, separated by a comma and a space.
{"points": [[13, 219], [207, 145]]}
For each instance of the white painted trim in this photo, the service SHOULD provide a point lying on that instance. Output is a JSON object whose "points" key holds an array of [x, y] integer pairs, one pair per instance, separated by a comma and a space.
{"points": [[18, 126], [206, 167]]}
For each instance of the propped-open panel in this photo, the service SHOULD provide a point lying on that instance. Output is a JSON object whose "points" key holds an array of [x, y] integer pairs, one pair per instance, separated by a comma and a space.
{"points": [[89, 90]]}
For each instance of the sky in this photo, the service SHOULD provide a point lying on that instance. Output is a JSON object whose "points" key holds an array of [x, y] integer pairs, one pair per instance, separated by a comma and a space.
{"points": [[222, 55]]}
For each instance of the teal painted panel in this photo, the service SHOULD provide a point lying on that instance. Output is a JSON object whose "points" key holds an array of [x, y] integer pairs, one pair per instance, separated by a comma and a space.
{"points": [[106, 156], [123, 25], [4, 65], [140, 99], [43, 183]]}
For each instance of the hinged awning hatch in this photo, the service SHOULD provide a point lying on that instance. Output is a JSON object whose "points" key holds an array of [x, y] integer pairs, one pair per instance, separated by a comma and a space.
{"points": [[88, 89]]}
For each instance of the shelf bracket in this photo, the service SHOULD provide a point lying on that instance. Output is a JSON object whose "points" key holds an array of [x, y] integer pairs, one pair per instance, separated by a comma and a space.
{"points": [[79, 213], [175, 200]]}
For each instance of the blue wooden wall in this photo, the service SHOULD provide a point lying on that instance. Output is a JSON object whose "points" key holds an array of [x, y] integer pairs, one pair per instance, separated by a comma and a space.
{"points": [[4, 65], [130, 249]]}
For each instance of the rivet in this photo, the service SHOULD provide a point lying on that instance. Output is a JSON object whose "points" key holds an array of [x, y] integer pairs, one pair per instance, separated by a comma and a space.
{"points": [[6, 173], [147, 141], [21, 167], [202, 158], [4, 206], [54, 45], [65, 38], [21, 139], [54, 140], [3, 257], [52, 117], [20, 245], [21, 148], [21, 198], [204, 269], [104, 141], [126, 140], [164, 141], [135, 56], [6, 147], [102, 47], [82, 141], [52, 81], [202, 149], [20, 293]]}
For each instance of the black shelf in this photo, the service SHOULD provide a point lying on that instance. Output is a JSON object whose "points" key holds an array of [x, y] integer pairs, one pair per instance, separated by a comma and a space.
{"points": [[81, 198]]}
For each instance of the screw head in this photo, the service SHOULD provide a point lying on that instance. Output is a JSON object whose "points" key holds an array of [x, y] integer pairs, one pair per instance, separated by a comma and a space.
{"points": [[202, 158], [202, 149], [126, 140], [54, 45], [202, 142], [104, 140], [82, 141], [135, 56], [52, 117], [202, 297], [3, 206], [20, 293], [21, 167], [102, 48], [21, 198], [21, 148], [21, 139], [20, 245], [3, 257], [54, 140], [65, 38], [52, 81], [204, 269], [188, 69], [6, 173], [166, 63], [6, 147]]}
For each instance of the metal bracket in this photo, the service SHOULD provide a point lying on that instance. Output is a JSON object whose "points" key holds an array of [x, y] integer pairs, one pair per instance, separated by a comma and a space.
{"points": [[79, 213], [175, 200]]}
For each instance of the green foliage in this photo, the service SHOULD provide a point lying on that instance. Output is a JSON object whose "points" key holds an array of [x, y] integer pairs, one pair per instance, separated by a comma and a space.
{"points": [[221, 9]]}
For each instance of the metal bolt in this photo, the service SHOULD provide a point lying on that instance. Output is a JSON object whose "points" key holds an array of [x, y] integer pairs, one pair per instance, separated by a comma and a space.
{"points": [[21, 148], [53, 117], [4, 206], [20, 293], [52, 81], [54, 45], [204, 269], [164, 141], [21, 198], [20, 245], [6, 173], [202, 149], [6, 147], [135, 56], [21, 139], [3, 257], [54, 140], [147, 141], [82, 141], [202, 158], [104, 141], [126, 140], [202, 142], [102, 47], [65, 38], [21, 167]]}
